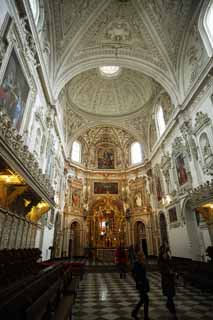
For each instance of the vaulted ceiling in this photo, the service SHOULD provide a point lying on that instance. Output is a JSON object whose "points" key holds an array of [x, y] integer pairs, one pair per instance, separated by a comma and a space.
{"points": [[151, 40]]}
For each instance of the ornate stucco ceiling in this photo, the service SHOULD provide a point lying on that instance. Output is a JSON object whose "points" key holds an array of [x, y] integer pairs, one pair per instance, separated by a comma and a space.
{"points": [[123, 94], [149, 39], [147, 34]]}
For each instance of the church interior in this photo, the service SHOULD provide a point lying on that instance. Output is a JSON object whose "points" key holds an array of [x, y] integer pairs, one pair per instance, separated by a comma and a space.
{"points": [[106, 141]]}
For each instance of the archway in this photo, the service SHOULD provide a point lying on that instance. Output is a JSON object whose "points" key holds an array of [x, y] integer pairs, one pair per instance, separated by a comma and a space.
{"points": [[163, 228], [74, 241], [193, 231], [140, 237]]}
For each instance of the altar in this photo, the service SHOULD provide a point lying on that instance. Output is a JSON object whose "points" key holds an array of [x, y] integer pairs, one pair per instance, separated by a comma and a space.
{"points": [[105, 255]]}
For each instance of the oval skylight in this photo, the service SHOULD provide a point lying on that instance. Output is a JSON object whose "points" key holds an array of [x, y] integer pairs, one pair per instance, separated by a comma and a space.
{"points": [[109, 71]]}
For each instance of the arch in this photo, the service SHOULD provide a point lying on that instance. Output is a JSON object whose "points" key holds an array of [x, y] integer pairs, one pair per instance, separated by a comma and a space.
{"points": [[132, 63], [88, 126], [163, 227]]}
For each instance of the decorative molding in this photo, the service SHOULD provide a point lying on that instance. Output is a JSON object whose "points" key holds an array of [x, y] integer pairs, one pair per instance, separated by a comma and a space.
{"points": [[201, 120], [13, 141]]}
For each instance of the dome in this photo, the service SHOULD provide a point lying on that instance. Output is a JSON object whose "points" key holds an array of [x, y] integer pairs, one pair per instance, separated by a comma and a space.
{"points": [[110, 91]]}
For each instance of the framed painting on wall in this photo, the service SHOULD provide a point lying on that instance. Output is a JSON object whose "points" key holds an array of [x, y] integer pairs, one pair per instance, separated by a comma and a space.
{"points": [[172, 215], [181, 170], [158, 188], [14, 91], [105, 158], [105, 187]]}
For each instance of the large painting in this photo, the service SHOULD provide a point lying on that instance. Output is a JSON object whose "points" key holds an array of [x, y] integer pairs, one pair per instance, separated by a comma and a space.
{"points": [[108, 187], [181, 170], [158, 188], [14, 91], [105, 158]]}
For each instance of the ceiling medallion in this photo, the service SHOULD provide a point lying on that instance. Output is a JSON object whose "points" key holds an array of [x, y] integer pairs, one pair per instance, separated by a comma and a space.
{"points": [[110, 71]]}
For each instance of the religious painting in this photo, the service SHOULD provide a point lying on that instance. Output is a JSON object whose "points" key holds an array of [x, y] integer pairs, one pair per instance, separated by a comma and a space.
{"points": [[105, 158], [106, 187], [158, 188], [172, 215], [181, 170], [76, 198], [14, 91]]}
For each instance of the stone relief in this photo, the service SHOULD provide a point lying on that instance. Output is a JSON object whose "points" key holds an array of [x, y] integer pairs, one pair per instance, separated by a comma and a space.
{"points": [[201, 120], [190, 144], [29, 43], [165, 101], [204, 134], [118, 31], [195, 57], [170, 26]]}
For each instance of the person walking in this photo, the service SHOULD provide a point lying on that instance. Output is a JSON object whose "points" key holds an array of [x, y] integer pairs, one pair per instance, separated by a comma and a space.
{"points": [[131, 255], [121, 260], [142, 285], [167, 278]]}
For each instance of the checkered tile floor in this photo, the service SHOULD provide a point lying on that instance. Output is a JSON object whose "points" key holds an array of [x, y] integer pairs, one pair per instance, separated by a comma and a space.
{"points": [[104, 296]]}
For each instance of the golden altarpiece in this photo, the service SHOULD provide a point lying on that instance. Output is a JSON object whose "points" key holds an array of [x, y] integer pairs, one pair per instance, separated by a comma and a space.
{"points": [[104, 211]]}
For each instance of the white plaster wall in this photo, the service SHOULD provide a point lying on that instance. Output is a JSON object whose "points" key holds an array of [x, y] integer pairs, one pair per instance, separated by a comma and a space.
{"points": [[205, 237], [179, 242], [38, 239], [47, 242]]}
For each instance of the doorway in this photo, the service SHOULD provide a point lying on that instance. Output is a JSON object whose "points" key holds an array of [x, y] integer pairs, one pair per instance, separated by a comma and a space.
{"points": [[140, 237]]}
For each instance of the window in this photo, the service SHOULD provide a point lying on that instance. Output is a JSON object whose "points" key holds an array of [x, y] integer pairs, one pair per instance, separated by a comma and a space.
{"points": [[34, 4], [110, 71], [209, 23], [160, 120], [76, 152], [205, 26], [136, 153]]}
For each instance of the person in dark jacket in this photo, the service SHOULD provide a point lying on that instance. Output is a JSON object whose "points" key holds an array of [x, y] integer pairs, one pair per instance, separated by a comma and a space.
{"points": [[121, 260], [131, 255], [142, 285], [167, 278]]}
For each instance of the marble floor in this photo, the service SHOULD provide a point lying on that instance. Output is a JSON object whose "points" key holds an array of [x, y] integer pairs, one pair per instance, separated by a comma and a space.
{"points": [[104, 296]]}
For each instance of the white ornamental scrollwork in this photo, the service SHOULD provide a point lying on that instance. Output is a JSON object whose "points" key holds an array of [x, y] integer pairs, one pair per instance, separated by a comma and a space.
{"points": [[15, 143]]}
